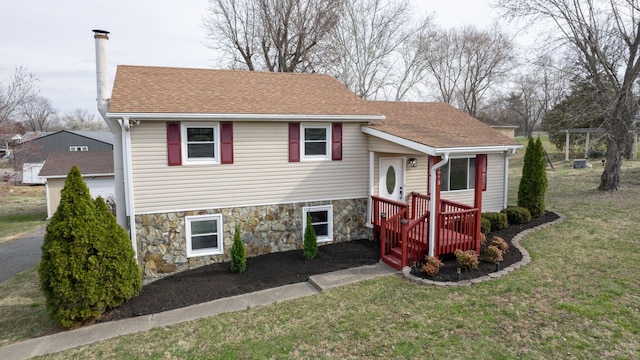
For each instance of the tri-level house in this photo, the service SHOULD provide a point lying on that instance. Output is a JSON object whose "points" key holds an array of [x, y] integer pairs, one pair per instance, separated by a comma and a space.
{"points": [[204, 152]]}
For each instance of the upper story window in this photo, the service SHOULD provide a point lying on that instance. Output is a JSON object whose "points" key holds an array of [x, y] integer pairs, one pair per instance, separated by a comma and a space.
{"points": [[316, 142], [78, 148], [201, 143], [459, 174]]}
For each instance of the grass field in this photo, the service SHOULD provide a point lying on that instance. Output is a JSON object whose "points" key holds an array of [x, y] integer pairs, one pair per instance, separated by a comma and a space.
{"points": [[22, 209], [579, 298]]}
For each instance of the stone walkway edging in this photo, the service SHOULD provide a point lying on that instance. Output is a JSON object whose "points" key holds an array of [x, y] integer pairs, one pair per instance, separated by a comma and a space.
{"points": [[526, 258]]}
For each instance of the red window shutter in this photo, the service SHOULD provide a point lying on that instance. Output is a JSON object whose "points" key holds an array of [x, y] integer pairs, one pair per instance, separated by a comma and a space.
{"points": [[336, 141], [294, 142], [226, 143], [174, 149]]}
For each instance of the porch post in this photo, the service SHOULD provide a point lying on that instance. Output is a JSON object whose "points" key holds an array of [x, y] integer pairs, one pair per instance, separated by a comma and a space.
{"points": [[436, 163], [477, 199]]}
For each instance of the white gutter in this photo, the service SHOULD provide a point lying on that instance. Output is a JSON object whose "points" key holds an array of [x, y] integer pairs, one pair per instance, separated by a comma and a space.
{"points": [[506, 178], [371, 184], [246, 117], [128, 181], [432, 203]]}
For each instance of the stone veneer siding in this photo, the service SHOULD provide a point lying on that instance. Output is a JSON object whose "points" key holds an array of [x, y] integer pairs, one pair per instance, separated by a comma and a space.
{"points": [[264, 229]]}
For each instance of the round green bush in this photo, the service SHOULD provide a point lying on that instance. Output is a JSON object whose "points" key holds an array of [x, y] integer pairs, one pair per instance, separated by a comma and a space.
{"points": [[485, 225], [88, 264], [517, 215], [498, 220]]}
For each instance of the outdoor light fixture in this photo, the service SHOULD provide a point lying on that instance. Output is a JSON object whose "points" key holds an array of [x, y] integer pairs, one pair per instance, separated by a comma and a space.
{"points": [[413, 162]]}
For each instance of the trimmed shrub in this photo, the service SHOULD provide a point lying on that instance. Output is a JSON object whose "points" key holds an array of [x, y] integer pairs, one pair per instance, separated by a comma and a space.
{"points": [[467, 259], [88, 263], [500, 244], [485, 225], [483, 239], [238, 254], [432, 265], [310, 243], [533, 184], [517, 215], [493, 254], [498, 220]]}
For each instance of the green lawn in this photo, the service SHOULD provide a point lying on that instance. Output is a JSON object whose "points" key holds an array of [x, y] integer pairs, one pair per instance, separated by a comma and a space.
{"points": [[579, 298], [22, 209]]}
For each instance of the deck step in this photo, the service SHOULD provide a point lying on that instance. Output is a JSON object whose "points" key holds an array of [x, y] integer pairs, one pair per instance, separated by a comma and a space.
{"points": [[392, 261]]}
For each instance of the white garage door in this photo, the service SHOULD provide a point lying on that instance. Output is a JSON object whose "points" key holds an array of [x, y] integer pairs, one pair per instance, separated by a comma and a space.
{"points": [[101, 187]]}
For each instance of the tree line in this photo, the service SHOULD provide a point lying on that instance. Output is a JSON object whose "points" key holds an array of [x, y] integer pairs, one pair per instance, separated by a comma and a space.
{"points": [[23, 108], [589, 53]]}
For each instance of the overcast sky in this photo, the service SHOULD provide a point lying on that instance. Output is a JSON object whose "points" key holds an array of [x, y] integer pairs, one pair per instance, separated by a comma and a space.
{"points": [[53, 39]]}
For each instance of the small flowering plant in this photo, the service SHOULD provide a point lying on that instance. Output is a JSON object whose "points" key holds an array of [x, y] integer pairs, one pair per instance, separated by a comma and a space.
{"points": [[431, 265]]}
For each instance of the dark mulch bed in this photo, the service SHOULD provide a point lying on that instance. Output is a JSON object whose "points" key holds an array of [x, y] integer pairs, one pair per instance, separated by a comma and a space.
{"points": [[449, 272], [216, 281]]}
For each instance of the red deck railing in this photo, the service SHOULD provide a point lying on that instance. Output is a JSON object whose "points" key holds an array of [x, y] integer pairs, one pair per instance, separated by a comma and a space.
{"points": [[409, 236]]}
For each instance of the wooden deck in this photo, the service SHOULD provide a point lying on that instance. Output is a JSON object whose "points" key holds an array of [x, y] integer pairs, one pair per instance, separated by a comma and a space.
{"points": [[404, 238]]}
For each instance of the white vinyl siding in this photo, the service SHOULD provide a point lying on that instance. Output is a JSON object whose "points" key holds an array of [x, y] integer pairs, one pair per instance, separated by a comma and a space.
{"points": [[415, 178], [261, 173]]}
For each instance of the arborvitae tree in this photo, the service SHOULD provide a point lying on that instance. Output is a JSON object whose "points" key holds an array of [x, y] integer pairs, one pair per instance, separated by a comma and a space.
{"points": [[121, 276], [310, 243], [534, 179], [86, 265], [238, 254]]}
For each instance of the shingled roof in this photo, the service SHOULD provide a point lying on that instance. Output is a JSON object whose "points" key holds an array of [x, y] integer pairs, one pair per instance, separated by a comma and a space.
{"points": [[437, 125], [58, 164], [142, 89]]}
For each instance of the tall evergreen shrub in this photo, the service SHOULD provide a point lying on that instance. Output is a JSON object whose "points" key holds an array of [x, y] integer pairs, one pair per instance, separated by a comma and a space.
{"points": [[533, 184], [87, 261], [238, 254], [310, 243]]}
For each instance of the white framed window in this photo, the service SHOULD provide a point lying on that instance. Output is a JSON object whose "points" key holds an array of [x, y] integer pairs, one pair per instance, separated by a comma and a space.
{"points": [[315, 141], [78, 148], [459, 174], [204, 235], [321, 220], [200, 143]]}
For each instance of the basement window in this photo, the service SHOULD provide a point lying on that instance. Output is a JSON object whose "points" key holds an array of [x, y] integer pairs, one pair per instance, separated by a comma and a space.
{"points": [[204, 235], [321, 220]]}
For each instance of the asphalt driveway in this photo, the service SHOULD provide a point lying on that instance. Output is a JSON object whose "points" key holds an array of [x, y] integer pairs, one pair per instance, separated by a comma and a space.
{"points": [[21, 254]]}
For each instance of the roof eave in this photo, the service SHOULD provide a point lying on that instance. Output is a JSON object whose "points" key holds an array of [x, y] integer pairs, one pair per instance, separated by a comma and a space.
{"points": [[433, 151], [65, 175], [243, 117]]}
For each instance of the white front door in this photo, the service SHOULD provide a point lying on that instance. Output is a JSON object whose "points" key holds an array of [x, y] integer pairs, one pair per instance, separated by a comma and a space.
{"points": [[391, 179]]}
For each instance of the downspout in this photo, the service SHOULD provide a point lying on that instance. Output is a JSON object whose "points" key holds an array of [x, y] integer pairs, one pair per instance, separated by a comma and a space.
{"points": [[505, 196], [432, 204], [128, 181], [371, 184], [102, 78]]}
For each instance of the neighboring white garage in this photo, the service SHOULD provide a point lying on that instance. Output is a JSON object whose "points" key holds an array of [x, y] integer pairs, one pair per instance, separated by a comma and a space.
{"points": [[96, 168]]}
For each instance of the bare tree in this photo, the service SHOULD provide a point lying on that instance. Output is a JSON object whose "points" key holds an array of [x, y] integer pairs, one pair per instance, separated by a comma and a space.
{"points": [[466, 63], [36, 113], [82, 119], [362, 48], [273, 35], [605, 37], [15, 92], [488, 57]]}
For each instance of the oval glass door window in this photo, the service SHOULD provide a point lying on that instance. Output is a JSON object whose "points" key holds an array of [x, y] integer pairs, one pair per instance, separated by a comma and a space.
{"points": [[391, 180]]}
